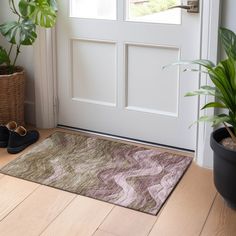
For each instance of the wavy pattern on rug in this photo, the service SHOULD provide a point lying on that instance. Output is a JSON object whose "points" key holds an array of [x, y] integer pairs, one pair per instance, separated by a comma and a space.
{"points": [[122, 174]]}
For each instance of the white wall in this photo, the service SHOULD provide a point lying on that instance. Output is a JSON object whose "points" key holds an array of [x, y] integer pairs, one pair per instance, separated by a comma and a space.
{"points": [[26, 60], [229, 14]]}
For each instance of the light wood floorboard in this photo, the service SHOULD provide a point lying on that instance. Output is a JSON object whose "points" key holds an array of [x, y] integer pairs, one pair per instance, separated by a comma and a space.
{"points": [[33, 215], [221, 221], [30, 209], [188, 206], [81, 218], [12, 192], [102, 233], [123, 222], [5, 157]]}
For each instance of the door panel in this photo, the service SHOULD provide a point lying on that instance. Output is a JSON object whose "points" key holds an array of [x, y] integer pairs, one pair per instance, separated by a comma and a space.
{"points": [[111, 77], [145, 75], [89, 82]]}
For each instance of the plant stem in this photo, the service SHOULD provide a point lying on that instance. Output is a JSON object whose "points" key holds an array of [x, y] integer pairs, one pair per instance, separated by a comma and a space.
{"points": [[230, 132], [17, 54], [14, 8], [18, 46], [9, 53]]}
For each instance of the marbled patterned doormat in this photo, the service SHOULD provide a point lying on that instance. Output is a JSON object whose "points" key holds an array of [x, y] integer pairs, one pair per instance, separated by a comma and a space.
{"points": [[123, 174]]}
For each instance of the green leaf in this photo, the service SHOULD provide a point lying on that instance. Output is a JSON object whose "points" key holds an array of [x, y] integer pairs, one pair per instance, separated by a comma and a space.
{"points": [[41, 12], [219, 119], [195, 70], [205, 63], [25, 8], [229, 66], [203, 91], [207, 87], [213, 104], [53, 5], [215, 120], [7, 30], [221, 76], [222, 86], [4, 58], [22, 32], [228, 39]]}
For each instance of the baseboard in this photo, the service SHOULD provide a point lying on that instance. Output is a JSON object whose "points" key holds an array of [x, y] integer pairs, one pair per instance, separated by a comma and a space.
{"points": [[30, 112]]}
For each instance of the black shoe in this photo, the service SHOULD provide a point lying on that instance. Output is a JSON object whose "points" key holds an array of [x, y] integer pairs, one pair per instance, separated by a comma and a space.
{"points": [[5, 132], [21, 139]]}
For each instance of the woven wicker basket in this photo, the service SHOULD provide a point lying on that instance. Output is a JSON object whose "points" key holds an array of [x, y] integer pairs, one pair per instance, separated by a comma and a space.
{"points": [[12, 91]]}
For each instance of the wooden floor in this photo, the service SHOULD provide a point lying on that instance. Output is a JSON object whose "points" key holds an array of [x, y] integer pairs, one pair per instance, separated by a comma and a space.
{"points": [[194, 208]]}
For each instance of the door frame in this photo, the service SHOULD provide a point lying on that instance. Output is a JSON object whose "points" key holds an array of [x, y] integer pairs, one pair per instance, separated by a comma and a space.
{"points": [[210, 21], [45, 68]]}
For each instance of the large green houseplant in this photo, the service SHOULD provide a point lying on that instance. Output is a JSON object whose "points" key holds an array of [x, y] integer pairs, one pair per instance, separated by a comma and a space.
{"points": [[18, 33], [223, 140], [22, 31]]}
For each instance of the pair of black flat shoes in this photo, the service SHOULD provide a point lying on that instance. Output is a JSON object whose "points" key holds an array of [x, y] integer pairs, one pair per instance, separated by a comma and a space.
{"points": [[16, 138]]}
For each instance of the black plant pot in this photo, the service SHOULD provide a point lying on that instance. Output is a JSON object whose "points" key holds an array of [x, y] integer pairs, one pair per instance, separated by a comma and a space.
{"points": [[224, 167]]}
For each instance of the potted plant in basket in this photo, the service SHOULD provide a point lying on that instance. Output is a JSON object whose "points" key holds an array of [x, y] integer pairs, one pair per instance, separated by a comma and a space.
{"points": [[20, 32], [223, 140]]}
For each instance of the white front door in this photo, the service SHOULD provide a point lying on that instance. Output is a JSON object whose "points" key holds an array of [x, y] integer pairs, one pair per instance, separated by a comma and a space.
{"points": [[110, 76]]}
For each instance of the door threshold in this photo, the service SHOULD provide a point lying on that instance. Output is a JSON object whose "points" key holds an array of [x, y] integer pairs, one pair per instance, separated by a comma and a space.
{"points": [[121, 138]]}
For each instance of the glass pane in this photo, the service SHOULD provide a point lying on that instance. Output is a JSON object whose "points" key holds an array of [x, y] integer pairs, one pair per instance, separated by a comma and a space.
{"points": [[154, 11], [97, 9]]}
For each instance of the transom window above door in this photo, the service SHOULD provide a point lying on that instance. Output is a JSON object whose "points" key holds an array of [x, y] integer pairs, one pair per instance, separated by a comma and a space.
{"points": [[153, 11]]}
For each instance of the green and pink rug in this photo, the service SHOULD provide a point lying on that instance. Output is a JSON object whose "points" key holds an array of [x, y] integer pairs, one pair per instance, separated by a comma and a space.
{"points": [[122, 174]]}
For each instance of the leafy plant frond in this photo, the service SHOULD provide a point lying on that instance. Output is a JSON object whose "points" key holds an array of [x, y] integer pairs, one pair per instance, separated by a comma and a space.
{"points": [[228, 39], [207, 87], [205, 63], [4, 58], [213, 105], [229, 66], [215, 120], [20, 33], [53, 5], [200, 92], [223, 76], [222, 87], [205, 90], [41, 12], [195, 70]]}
